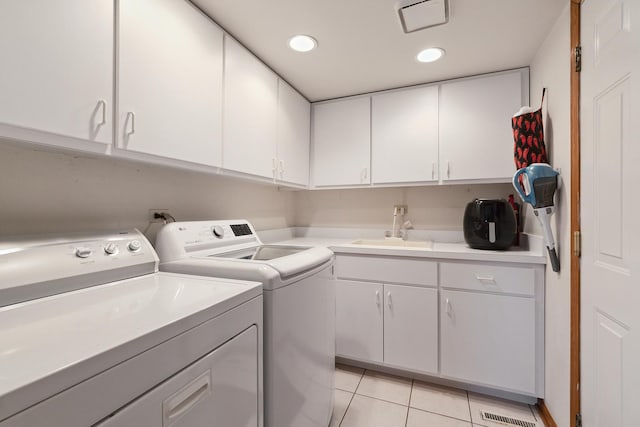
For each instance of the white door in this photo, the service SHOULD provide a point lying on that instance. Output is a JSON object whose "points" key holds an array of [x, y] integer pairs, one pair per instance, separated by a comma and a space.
{"points": [[57, 67], [250, 113], [170, 81], [404, 136], [411, 328], [359, 320], [610, 150], [342, 142], [294, 127]]}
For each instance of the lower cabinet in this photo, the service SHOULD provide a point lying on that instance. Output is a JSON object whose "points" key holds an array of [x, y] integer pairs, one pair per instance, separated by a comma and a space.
{"points": [[489, 339], [359, 320], [480, 323], [411, 328], [394, 325]]}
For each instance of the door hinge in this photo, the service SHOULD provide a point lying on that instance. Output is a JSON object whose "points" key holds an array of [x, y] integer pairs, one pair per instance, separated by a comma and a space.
{"points": [[578, 58], [578, 420], [577, 243]]}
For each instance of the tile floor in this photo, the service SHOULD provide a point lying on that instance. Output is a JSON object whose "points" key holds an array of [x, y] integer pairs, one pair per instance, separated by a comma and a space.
{"points": [[372, 399]]}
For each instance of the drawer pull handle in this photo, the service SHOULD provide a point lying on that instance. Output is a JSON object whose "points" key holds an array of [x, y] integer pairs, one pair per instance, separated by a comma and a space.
{"points": [[187, 398], [486, 279], [447, 307], [378, 298], [389, 299]]}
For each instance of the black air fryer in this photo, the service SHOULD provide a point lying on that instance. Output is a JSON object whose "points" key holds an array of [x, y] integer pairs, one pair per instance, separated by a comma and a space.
{"points": [[489, 224]]}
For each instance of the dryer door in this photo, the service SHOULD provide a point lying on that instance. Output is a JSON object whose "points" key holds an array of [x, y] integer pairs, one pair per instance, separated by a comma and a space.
{"points": [[220, 387]]}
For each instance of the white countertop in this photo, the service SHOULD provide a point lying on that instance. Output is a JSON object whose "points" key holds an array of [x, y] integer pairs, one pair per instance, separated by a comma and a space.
{"points": [[531, 253]]}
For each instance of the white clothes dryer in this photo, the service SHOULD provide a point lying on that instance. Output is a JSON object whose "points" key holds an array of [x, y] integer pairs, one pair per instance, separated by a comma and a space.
{"points": [[92, 334], [299, 309]]}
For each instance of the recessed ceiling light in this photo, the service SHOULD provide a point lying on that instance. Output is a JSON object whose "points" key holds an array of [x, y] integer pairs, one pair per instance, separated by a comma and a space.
{"points": [[431, 54], [302, 43]]}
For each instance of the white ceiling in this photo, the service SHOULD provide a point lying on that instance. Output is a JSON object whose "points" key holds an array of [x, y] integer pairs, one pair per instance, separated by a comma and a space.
{"points": [[362, 46]]}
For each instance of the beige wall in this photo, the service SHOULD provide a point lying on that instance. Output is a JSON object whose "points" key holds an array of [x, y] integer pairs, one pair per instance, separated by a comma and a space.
{"points": [[551, 69], [43, 191], [437, 207]]}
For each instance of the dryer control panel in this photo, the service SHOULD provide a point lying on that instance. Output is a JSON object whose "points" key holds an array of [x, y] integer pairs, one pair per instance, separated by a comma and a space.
{"points": [[39, 266]]}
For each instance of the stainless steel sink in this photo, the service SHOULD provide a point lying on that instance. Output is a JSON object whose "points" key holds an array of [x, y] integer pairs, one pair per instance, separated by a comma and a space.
{"points": [[395, 243]]}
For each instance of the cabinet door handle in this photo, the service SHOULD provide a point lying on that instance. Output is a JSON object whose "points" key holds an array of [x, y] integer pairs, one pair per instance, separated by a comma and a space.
{"points": [[378, 298], [389, 299], [102, 104], [281, 167], [433, 170], [131, 121], [448, 169], [274, 168], [364, 175], [447, 307]]}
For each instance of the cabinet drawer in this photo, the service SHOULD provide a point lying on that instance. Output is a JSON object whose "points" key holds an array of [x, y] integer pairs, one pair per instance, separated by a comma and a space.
{"points": [[491, 278], [387, 269]]}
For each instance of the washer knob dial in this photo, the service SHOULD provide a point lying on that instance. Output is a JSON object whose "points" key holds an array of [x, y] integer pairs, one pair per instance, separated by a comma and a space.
{"points": [[218, 231], [83, 252], [134, 245], [111, 249]]}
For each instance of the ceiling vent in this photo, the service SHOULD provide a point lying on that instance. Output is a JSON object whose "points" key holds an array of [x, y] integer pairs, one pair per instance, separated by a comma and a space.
{"points": [[418, 15]]}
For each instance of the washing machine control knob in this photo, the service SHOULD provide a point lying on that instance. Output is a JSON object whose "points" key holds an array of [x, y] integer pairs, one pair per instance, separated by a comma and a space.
{"points": [[111, 249], [218, 231], [83, 252], [134, 245]]}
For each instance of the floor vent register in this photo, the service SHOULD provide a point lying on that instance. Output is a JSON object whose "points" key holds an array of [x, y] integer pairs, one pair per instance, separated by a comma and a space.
{"points": [[509, 421]]}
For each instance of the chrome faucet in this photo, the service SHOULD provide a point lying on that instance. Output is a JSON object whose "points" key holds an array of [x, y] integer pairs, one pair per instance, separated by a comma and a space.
{"points": [[398, 210]]}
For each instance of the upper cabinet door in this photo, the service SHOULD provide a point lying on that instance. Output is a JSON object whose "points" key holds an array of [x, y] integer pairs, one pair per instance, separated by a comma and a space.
{"points": [[170, 81], [476, 141], [342, 142], [57, 67], [294, 127], [404, 136], [250, 113]]}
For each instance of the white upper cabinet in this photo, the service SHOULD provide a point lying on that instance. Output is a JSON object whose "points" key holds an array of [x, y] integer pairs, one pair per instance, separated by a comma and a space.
{"points": [[170, 81], [341, 136], [404, 137], [250, 113], [294, 127], [57, 70], [476, 141]]}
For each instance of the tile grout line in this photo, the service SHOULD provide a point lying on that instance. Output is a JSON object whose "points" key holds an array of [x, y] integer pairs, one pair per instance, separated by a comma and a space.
{"points": [[406, 419], [353, 395], [469, 406], [443, 415], [533, 413], [346, 410], [381, 400]]}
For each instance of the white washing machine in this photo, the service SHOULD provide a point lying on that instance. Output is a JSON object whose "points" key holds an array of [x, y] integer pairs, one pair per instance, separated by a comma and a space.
{"points": [[299, 309], [92, 334]]}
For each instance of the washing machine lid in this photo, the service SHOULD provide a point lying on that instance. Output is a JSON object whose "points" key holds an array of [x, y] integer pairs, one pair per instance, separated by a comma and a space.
{"points": [[261, 253], [50, 344], [273, 274]]}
